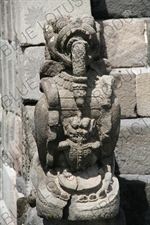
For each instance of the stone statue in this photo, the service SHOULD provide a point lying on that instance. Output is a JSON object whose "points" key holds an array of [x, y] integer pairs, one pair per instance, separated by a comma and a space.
{"points": [[77, 122]]}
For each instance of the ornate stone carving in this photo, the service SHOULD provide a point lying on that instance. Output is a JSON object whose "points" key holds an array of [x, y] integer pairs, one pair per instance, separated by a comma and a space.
{"points": [[76, 126]]}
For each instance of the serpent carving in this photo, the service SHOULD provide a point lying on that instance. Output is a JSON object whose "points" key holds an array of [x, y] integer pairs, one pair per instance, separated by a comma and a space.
{"points": [[77, 123]]}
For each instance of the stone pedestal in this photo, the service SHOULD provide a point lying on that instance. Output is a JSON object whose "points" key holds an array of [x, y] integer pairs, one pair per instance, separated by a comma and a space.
{"points": [[118, 220]]}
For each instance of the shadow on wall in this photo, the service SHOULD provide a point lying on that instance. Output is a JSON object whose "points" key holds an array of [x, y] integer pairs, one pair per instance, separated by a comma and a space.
{"points": [[106, 9], [103, 50], [99, 9], [134, 200]]}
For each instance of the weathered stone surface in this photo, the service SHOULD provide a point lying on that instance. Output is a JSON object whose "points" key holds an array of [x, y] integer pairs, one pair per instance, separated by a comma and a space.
{"points": [[11, 159], [32, 15], [33, 218], [125, 90], [118, 220], [133, 149], [1, 75], [0, 137], [1, 179], [7, 13], [5, 214], [106, 9], [26, 214], [30, 61], [148, 39], [12, 141], [21, 185], [10, 193], [29, 141], [76, 127], [29, 111], [10, 79], [125, 42], [143, 93]]}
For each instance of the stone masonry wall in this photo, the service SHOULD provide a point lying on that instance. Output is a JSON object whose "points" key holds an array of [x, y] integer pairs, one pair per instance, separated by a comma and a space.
{"points": [[11, 120], [21, 54], [125, 35], [127, 42]]}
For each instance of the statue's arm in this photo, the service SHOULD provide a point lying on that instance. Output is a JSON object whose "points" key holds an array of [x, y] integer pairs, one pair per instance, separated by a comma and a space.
{"points": [[47, 122]]}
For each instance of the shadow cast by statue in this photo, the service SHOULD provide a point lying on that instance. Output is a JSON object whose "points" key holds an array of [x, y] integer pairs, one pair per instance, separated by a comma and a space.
{"points": [[99, 9], [134, 200]]}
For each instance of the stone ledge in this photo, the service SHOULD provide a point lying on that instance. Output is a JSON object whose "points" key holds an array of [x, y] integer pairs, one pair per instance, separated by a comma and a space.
{"points": [[136, 177]]}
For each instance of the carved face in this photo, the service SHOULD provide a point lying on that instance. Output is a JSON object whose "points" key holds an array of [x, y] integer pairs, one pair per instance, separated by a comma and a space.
{"points": [[77, 129], [60, 36]]}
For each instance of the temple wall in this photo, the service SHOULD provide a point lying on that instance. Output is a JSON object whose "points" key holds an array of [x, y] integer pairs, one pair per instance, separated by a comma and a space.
{"points": [[127, 48], [126, 44]]}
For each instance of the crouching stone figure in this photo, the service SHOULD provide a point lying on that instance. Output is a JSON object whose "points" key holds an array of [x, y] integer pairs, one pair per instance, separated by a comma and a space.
{"points": [[77, 123]]}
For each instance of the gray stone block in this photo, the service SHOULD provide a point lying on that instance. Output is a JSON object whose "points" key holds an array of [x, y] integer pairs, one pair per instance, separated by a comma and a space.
{"points": [[29, 65], [111, 9], [1, 182], [133, 149], [10, 80], [7, 15], [143, 93], [148, 39], [10, 193], [5, 214], [32, 15], [12, 141], [124, 42], [125, 90]]}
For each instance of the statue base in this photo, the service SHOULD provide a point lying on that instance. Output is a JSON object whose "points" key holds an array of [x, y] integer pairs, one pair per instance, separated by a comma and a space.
{"points": [[117, 220], [75, 197]]}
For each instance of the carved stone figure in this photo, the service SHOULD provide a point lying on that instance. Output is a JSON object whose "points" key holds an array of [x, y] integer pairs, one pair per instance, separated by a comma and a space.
{"points": [[77, 123]]}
